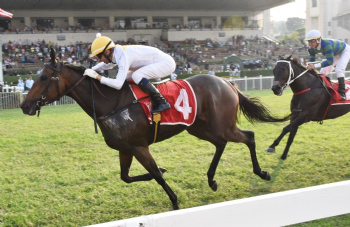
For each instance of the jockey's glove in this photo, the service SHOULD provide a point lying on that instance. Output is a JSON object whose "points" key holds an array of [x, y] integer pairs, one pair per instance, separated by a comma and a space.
{"points": [[91, 73]]}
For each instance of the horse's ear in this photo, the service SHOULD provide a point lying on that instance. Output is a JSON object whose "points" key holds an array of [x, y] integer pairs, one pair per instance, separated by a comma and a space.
{"points": [[53, 56], [289, 57]]}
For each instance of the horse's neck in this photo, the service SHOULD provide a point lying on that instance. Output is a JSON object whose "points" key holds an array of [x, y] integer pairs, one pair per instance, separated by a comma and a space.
{"points": [[102, 105], [303, 82]]}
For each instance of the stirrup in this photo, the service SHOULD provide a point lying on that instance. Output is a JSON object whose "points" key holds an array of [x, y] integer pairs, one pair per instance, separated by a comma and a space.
{"points": [[342, 96], [161, 108]]}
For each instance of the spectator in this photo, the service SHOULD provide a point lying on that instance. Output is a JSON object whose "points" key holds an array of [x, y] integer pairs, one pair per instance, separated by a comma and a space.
{"points": [[211, 72], [173, 76], [29, 83], [235, 71], [25, 82], [20, 85], [188, 68], [70, 59]]}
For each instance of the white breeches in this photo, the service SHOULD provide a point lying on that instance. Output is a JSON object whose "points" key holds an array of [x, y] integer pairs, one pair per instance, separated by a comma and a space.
{"points": [[340, 63], [153, 71]]}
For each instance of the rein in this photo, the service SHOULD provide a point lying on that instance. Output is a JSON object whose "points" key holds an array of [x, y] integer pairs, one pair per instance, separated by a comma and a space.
{"points": [[290, 80], [291, 74]]}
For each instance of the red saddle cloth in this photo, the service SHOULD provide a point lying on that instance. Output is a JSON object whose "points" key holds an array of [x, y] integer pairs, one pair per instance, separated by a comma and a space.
{"points": [[181, 97], [334, 91]]}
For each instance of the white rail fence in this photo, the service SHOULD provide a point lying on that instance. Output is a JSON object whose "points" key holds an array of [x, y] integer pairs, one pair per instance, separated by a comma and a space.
{"points": [[272, 210], [11, 100]]}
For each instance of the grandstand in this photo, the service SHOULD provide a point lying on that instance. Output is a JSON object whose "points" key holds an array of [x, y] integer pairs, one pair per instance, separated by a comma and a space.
{"points": [[152, 22]]}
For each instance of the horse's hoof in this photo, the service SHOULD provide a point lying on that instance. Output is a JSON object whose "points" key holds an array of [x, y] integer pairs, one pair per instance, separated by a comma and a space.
{"points": [[266, 175], [270, 150], [283, 157], [175, 206], [214, 186]]}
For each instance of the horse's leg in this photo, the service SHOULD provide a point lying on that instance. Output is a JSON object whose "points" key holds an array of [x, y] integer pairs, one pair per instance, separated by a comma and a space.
{"points": [[292, 134], [143, 155], [275, 143], [250, 142], [292, 128], [125, 160], [220, 147]]}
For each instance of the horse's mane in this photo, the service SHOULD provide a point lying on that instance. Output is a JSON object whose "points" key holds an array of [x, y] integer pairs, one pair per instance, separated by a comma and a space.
{"points": [[78, 68], [297, 62]]}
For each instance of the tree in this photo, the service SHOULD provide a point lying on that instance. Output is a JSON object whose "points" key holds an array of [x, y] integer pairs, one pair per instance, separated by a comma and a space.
{"points": [[293, 23], [279, 29]]}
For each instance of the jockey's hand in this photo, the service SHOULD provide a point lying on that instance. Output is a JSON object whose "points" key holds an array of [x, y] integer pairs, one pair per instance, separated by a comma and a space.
{"points": [[310, 66], [91, 73]]}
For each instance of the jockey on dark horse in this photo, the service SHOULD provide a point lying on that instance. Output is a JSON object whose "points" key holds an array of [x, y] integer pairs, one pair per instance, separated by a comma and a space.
{"points": [[337, 53], [136, 62]]}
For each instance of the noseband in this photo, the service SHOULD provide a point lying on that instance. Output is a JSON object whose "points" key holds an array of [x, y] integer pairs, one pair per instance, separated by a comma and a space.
{"points": [[291, 74]]}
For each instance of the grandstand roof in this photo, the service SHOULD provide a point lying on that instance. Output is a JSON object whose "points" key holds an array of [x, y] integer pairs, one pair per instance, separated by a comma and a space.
{"points": [[191, 5]]}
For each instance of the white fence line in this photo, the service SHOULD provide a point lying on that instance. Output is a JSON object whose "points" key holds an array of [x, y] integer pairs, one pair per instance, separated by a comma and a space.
{"points": [[12, 100], [273, 210]]}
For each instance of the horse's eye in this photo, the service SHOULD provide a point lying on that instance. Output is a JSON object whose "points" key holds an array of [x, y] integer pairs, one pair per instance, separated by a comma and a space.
{"points": [[43, 77]]}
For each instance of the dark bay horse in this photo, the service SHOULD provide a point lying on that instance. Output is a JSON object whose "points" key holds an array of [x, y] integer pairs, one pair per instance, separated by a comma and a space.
{"points": [[310, 100], [218, 102]]}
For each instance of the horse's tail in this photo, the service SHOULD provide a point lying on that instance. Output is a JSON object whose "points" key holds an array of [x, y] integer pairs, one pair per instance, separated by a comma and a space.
{"points": [[255, 111]]}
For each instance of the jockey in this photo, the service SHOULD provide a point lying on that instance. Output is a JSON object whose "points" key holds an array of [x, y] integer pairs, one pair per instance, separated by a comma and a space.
{"points": [[136, 62], [337, 54]]}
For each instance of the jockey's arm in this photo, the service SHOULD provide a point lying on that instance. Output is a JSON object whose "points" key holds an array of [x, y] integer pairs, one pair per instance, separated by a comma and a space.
{"points": [[118, 82]]}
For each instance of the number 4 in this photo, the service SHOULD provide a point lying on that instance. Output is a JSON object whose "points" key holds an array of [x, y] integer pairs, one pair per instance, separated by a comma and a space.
{"points": [[185, 109]]}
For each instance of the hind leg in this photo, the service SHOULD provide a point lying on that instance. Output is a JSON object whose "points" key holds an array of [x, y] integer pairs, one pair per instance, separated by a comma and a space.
{"points": [[249, 140], [220, 147], [247, 137]]}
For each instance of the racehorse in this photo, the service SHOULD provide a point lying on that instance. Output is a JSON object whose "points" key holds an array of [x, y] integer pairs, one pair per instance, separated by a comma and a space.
{"points": [[217, 99], [310, 102]]}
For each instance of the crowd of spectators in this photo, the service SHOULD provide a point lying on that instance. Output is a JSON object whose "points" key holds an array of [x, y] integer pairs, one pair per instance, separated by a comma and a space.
{"points": [[17, 54]]}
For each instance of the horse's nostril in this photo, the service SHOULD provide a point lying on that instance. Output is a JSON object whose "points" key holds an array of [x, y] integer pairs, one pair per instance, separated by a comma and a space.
{"points": [[24, 106]]}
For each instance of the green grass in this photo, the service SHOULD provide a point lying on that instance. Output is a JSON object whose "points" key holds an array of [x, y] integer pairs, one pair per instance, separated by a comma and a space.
{"points": [[55, 171]]}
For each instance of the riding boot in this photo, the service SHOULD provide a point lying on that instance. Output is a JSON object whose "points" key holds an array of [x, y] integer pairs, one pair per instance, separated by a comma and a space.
{"points": [[159, 103], [341, 89]]}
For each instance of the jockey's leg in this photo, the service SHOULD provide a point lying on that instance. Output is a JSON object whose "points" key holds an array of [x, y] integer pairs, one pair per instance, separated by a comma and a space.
{"points": [[343, 61], [341, 88], [159, 103], [153, 71]]}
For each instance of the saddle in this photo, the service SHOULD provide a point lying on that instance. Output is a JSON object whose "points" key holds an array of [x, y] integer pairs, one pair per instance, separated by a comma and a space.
{"points": [[335, 101], [333, 88], [179, 94]]}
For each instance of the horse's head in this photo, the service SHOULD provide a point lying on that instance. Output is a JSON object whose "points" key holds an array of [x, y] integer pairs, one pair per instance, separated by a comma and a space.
{"points": [[48, 87], [285, 71]]}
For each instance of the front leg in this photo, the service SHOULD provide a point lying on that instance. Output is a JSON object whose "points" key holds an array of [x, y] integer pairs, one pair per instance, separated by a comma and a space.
{"points": [[275, 143], [125, 160], [287, 129], [292, 134]]}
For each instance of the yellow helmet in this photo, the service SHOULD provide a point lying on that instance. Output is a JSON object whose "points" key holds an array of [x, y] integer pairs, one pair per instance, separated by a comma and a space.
{"points": [[100, 44]]}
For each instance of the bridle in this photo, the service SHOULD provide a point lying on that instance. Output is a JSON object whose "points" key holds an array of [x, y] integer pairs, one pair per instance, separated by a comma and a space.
{"points": [[291, 74], [55, 77]]}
